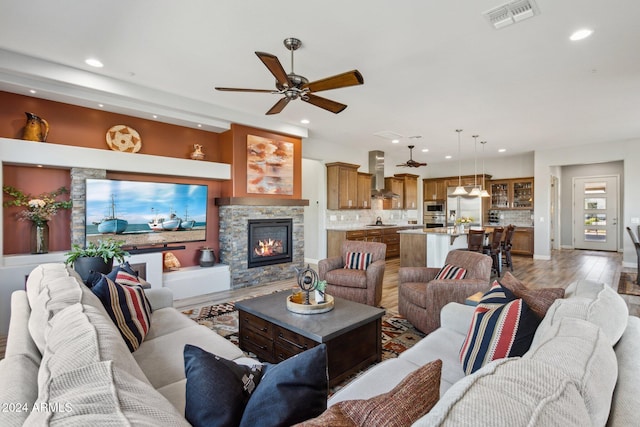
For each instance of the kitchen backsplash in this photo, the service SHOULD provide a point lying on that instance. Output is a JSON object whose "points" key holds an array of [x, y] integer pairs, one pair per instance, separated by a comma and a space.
{"points": [[350, 218], [523, 218]]}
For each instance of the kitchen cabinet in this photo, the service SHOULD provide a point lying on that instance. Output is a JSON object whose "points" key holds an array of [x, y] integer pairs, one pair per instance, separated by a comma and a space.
{"points": [[396, 185], [512, 194], [434, 189], [522, 241], [387, 235], [363, 193], [409, 190], [342, 185]]}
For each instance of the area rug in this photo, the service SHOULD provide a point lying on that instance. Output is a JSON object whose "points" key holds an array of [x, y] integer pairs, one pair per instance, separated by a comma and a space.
{"points": [[627, 284], [398, 334]]}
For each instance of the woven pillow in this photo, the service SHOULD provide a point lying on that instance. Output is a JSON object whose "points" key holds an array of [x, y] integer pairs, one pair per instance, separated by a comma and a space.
{"points": [[538, 300], [450, 271], [357, 260], [128, 308], [124, 275], [413, 397], [502, 326]]}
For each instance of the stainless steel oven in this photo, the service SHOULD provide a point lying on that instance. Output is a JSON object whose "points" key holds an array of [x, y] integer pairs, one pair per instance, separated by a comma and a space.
{"points": [[433, 220]]}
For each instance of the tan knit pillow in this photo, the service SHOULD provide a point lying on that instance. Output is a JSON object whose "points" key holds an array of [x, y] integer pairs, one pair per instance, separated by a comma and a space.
{"points": [[538, 300], [416, 394]]}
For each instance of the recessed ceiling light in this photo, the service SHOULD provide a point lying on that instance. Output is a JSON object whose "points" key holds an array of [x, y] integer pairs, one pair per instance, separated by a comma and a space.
{"points": [[94, 62], [447, 157], [304, 121], [199, 125], [425, 150], [32, 91], [502, 150], [581, 34], [395, 141], [155, 116], [100, 105]]}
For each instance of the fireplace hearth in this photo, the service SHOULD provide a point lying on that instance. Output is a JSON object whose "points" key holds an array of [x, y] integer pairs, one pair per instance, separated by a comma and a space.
{"points": [[269, 242]]}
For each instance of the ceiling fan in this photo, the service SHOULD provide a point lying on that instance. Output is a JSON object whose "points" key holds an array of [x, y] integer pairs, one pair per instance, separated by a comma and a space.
{"points": [[411, 163], [294, 86]]}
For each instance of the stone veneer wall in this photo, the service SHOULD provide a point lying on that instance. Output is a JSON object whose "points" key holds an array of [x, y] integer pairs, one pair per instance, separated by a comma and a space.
{"points": [[78, 197], [234, 221]]}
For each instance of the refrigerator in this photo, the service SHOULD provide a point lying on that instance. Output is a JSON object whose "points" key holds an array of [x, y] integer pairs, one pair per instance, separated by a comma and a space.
{"points": [[467, 206]]}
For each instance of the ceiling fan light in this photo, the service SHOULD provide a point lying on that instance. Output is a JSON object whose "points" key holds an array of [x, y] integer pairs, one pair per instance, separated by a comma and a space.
{"points": [[460, 191], [475, 191]]}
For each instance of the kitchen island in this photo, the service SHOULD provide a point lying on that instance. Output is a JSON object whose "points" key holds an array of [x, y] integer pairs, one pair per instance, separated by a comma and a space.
{"points": [[428, 247]]}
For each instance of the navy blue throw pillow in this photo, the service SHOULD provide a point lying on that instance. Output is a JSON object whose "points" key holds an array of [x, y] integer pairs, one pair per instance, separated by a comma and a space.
{"points": [[220, 392]]}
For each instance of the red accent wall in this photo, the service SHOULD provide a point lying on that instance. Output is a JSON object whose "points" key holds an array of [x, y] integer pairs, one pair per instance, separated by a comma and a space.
{"points": [[85, 127]]}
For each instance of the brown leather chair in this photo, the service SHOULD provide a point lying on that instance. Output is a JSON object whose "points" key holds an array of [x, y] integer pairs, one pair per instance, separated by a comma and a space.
{"points": [[506, 246], [475, 240], [363, 286], [420, 297], [494, 249]]}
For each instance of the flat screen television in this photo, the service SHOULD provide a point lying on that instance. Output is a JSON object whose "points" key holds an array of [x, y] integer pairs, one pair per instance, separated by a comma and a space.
{"points": [[142, 213]]}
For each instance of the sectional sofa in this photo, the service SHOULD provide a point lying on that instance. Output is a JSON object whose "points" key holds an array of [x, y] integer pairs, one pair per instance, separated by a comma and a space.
{"points": [[64, 352]]}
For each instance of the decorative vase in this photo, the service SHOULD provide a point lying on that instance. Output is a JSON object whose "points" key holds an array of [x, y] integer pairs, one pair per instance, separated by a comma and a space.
{"points": [[460, 228], [39, 243], [207, 257], [197, 153], [85, 265]]}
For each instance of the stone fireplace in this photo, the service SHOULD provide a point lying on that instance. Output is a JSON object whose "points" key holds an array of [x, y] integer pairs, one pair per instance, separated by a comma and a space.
{"points": [[269, 242], [245, 220]]}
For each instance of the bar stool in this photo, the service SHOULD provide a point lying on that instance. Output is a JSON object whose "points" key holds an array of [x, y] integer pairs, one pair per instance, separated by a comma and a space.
{"points": [[475, 240], [494, 249], [506, 246]]}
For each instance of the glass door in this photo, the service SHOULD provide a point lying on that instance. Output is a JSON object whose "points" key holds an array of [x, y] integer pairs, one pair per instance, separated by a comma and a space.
{"points": [[596, 213], [522, 195], [500, 195]]}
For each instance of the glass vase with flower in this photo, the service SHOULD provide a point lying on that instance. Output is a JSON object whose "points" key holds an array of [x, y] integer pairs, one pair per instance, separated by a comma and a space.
{"points": [[39, 210]]}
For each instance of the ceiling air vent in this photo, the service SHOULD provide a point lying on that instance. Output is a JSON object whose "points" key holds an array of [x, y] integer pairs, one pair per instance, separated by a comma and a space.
{"points": [[511, 12]]}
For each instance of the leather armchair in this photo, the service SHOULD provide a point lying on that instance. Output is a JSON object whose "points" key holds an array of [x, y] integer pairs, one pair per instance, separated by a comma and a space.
{"points": [[363, 286], [420, 297]]}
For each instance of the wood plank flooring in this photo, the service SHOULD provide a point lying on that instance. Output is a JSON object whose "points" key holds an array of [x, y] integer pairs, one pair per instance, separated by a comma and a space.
{"points": [[564, 267]]}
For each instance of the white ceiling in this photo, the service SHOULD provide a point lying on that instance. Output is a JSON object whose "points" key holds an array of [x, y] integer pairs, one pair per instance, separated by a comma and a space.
{"points": [[429, 66]]}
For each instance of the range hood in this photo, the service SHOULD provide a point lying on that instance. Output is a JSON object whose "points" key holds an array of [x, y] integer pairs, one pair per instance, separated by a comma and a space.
{"points": [[376, 168]]}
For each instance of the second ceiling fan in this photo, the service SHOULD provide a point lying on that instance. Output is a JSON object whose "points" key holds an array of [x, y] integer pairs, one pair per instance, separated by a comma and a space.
{"points": [[295, 86], [411, 163]]}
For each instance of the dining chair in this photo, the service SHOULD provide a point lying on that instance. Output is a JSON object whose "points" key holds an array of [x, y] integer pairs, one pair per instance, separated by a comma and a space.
{"points": [[475, 240], [636, 243], [494, 249]]}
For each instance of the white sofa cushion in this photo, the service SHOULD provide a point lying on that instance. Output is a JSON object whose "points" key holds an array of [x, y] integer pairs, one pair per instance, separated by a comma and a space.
{"points": [[584, 353], [626, 397], [162, 360], [511, 392], [594, 301], [166, 321], [81, 335], [102, 394], [19, 389]]}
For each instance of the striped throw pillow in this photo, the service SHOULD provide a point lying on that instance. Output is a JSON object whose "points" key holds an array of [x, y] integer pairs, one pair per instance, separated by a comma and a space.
{"points": [[124, 275], [128, 308], [451, 272], [357, 260], [502, 326]]}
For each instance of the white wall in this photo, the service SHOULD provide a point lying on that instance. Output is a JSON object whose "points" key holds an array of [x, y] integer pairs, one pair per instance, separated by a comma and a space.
{"points": [[547, 161], [314, 190]]}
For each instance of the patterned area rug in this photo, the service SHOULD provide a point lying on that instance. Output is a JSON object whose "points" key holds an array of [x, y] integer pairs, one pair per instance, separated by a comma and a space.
{"points": [[398, 334], [627, 284]]}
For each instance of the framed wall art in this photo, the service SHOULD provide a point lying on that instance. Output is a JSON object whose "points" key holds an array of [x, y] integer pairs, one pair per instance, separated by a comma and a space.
{"points": [[269, 166]]}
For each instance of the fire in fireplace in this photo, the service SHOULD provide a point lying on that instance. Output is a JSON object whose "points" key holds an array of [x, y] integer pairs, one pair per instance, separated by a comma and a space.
{"points": [[269, 242]]}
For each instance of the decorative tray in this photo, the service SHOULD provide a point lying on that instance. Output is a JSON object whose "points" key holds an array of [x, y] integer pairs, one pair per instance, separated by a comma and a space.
{"points": [[123, 138], [312, 308]]}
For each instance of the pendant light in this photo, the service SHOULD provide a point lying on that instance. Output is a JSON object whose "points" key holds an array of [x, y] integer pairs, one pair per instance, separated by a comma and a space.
{"points": [[476, 190], [459, 191], [484, 192]]}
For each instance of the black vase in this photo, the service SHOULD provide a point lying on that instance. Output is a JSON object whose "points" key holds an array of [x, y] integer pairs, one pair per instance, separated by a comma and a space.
{"points": [[85, 265]]}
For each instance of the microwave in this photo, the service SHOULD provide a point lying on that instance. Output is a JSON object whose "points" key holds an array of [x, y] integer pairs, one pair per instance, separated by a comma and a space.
{"points": [[434, 206]]}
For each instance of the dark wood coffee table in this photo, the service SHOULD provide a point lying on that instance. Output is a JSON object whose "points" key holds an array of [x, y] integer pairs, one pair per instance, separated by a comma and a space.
{"points": [[351, 331]]}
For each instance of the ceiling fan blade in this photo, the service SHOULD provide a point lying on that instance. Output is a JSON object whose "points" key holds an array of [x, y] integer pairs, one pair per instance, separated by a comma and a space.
{"points": [[273, 64], [404, 165], [327, 104], [350, 78], [279, 106], [235, 89]]}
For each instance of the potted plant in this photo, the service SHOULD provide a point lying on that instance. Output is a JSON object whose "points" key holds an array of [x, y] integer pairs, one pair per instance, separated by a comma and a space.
{"points": [[96, 257]]}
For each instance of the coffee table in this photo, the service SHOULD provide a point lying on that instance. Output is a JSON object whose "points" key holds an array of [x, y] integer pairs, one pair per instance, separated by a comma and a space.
{"points": [[351, 331]]}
